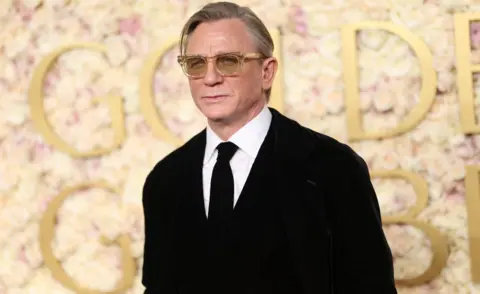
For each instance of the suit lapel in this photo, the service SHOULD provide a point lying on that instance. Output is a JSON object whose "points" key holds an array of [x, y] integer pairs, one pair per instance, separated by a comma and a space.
{"points": [[276, 160], [190, 217], [193, 167], [190, 221]]}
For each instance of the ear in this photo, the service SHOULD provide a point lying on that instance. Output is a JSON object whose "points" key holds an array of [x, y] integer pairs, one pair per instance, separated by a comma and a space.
{"points": [[270, 66]]}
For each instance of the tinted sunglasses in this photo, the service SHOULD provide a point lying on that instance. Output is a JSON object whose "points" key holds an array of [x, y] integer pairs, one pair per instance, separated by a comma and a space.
{"points": [[226, 64]]}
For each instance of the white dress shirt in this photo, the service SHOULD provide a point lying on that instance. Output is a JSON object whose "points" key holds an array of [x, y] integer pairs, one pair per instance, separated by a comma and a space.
{"points": [[249, 139]]}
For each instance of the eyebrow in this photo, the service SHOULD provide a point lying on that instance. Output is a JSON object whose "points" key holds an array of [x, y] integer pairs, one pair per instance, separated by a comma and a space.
{"points": [[217, 53]]}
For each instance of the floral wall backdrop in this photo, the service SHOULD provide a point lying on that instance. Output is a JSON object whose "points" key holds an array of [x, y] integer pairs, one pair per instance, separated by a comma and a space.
{"points": [[33, 172]]}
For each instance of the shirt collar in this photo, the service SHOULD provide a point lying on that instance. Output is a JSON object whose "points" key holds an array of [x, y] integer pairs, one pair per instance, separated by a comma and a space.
{"points": [[249, 138]]}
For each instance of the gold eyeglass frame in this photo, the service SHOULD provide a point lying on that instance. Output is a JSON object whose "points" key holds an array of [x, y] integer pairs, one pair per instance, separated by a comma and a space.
{"points": [[241, 57]]}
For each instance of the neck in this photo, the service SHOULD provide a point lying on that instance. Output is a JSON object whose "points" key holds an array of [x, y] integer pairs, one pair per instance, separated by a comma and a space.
{"points": [[225, 129]]}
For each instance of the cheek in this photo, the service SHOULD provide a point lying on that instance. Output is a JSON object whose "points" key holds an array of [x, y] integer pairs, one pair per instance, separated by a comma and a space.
{"points": [[246, 85], [195, 86]]}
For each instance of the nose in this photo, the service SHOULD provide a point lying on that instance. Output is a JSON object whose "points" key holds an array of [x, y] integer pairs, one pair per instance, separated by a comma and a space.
{"points": [[212, 77]]}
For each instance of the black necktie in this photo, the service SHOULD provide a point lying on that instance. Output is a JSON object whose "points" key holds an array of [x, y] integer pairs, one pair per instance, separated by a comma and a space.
{"points": [[222, 187]]}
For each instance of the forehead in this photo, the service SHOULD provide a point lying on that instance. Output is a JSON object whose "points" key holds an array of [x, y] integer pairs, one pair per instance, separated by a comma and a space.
{"points": [[211, 38]]}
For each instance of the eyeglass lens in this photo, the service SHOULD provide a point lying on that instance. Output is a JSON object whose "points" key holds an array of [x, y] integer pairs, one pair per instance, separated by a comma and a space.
{"points": [[226, 64]]}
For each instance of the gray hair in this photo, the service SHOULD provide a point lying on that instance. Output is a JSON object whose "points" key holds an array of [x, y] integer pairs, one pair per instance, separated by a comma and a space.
{"points": [[228, 10]]}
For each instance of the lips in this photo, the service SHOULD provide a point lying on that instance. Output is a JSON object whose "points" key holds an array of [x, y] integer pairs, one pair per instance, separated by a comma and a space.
{"points": [[217, 96]]}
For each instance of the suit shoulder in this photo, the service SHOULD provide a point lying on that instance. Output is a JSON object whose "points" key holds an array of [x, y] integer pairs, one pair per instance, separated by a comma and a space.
{"points": [[336, 152], [159, 180], [326, 150], [172, 162]]}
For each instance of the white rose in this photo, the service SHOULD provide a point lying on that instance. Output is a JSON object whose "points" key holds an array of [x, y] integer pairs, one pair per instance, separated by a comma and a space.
{"points": [[438, 112], [86, 62], [60, 165], [383, 102], [404, 146], [410, 3], [437, 165], [18, 44], [295, 89], [118, 52], [374, 121], [463, 148], [386, 160], [419, 135], [17, 214], [334, 125], [445, 81], [401, 68], [65, 92], [318, 109], [6, 231], [34, 255], [17, 113], [5, 10], [31, 4], [8, 71], [448, 213], [93, 275], [3, 287], [55, 3], [476, 139], [454, 4], [28, 186], [369, 77], [109, 79], [386, 198], [459, 273], [67, 239], [301, 54], [372, 39], [307, 65], [110, 225], [332, 100], [186, 111], [16, 290], [353, 15], [8, 177], [133, 188], [366, 100], [406, 15], [17, 277], [28, 234]]}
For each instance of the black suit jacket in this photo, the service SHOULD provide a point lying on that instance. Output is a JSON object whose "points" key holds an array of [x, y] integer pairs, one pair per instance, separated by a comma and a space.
{"points": [[329, 211]]}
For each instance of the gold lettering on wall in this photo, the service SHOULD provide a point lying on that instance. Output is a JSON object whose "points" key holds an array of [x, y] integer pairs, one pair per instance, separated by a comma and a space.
{"points": [[351, 79], [147, 96], [39, 118], [46, 235], [439, 245], [465, 69], [472, 197]]}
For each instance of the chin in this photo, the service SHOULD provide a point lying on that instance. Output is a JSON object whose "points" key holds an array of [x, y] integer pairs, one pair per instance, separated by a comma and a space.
{"points": [[216, 113], [217, 116]]}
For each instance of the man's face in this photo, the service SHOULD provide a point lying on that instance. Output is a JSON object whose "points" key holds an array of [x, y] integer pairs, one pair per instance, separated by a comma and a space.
{"points": [[228, 98]]}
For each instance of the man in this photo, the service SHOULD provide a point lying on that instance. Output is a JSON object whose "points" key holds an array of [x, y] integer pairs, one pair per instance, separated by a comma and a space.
{"points": [[256, 203]]}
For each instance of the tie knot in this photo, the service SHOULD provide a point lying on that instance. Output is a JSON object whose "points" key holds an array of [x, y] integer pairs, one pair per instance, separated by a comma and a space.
{"points": [[226, 151]]}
